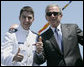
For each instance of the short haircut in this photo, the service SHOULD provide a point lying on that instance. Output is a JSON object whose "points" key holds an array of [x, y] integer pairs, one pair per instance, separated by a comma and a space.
{"points": [[28, 9], [52, 5]]}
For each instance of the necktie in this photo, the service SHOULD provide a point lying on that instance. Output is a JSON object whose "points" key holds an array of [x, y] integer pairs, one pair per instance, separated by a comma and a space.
{"points": [[59, 40]]}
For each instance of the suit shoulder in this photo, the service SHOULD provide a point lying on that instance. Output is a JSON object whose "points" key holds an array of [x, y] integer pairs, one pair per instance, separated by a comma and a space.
{"points": [[47, 34], [70, 24]]}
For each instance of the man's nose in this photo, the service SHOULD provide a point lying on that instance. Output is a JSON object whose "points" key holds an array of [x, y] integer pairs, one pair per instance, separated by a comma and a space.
{"points": [[52, 15], [27, 19]]}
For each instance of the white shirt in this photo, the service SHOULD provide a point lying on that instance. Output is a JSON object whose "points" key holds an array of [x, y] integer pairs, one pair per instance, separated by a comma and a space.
{"points": [[22, 39], [58, 29]]}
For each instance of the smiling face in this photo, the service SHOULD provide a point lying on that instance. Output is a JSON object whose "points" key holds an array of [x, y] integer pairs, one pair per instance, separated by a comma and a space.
{"points": [[26, 19], [53, 16]]}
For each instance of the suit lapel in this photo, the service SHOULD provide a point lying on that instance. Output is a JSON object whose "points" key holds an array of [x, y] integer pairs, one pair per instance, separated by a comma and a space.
{"points": [[53, 41]]}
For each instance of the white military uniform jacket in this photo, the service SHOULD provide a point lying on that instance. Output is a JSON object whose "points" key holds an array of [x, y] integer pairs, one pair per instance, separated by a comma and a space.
{"points": [[22, 39]]}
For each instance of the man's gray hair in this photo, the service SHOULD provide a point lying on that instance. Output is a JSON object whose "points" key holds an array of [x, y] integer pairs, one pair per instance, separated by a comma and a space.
{"points": [[52, 5]]}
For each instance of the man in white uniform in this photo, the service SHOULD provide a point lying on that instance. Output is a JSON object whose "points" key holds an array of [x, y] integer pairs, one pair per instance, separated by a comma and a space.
{"points": [[18, 47]]}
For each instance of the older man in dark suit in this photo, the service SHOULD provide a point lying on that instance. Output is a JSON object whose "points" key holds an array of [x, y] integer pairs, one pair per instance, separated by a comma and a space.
{"points": [[60, 41]]}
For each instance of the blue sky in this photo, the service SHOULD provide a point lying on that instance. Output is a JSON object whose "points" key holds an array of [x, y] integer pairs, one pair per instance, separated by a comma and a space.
{"points": [[10, 14]]}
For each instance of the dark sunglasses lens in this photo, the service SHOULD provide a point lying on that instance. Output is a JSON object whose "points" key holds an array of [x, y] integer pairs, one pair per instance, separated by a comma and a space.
{"points": [[55, 13], [50, 13]]}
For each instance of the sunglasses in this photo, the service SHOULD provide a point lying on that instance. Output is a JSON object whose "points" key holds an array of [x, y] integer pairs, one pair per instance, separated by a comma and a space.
{"points": [[54, 13]]}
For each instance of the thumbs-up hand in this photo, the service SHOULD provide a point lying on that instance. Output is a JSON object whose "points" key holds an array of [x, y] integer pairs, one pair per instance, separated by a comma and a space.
{"points": [[39, 45], [18, 51], [40, 39], [18, 57]]}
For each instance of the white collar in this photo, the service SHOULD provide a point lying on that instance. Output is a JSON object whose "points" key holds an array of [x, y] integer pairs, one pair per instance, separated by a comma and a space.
{"points": [[20, 28], [58, 28]]}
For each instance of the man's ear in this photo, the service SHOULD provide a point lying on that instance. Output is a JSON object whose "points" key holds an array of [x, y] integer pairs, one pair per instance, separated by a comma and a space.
{"points": [[60, 17]]}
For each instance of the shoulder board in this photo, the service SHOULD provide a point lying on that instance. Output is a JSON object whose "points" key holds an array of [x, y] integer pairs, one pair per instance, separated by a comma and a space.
{"points": [[12, 30]]}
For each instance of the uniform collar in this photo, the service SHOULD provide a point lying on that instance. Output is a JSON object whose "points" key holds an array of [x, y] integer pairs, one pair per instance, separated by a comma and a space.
{"points": [[23, 30]]}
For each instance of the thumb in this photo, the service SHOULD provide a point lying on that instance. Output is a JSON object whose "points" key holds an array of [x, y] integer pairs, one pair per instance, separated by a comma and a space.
{"points": [[18, 50], [40, 39]]}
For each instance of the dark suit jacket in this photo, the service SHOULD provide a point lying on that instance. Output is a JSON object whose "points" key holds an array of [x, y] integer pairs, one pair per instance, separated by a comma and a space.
{"points": [[70, 56]]}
